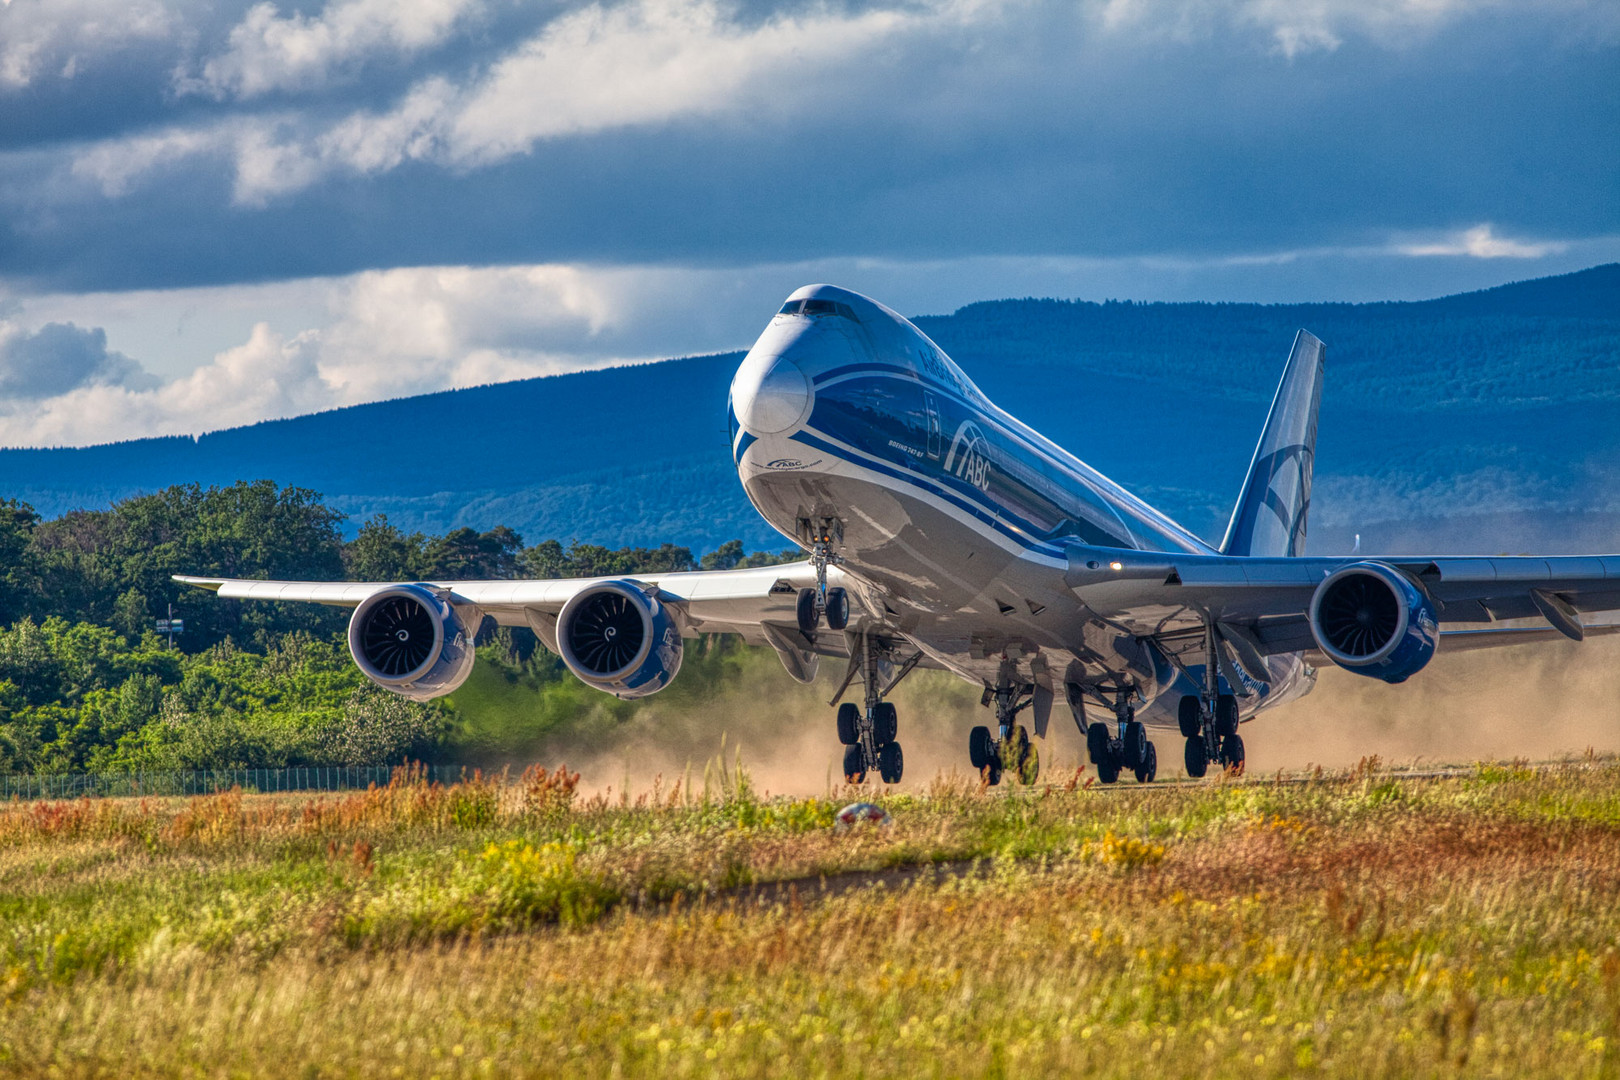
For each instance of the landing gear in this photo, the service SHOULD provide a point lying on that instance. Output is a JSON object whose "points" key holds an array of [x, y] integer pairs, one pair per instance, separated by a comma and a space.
{"points": [[869, 735], [1129, 750], [822, 603], [1149, 768], [1197, 757], [1232, 754], [1009, 748], [1209, 720]]}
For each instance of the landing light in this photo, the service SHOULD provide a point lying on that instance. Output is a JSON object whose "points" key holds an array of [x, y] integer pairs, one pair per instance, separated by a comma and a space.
{"points": [[1116, 566]]}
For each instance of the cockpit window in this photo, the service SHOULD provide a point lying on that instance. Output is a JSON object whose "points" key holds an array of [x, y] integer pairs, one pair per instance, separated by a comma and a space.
{"points": [[818, 307]]}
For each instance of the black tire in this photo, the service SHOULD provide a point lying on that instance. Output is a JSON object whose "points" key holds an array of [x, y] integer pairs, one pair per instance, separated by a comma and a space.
{"points": [[1149, 768], [1232, 754], [1135, 749], [1197, 757], [991, 774], [1097, 743], [1107, 771], [885, 724], [891, 763], [849, 723], [981, 749], [808, 619], [1029, 763], [1226, 715], [854, 765], [1190, 716], [1019, 756], [837, 609]]}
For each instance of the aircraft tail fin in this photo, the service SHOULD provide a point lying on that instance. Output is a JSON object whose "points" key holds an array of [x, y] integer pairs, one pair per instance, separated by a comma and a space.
{"points": [[1269, 518]]}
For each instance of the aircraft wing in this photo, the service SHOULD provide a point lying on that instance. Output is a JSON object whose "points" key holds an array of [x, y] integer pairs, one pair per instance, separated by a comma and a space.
{"points": [[757, 603], [1262, 604]]}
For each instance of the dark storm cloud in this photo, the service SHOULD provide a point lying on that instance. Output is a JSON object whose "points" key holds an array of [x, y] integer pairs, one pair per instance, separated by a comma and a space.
{"points": [[60, 357], [928, 131]]}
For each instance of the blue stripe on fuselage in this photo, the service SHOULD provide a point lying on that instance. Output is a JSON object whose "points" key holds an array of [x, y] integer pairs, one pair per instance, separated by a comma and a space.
{"points": [[871, 408], [988, 517]]}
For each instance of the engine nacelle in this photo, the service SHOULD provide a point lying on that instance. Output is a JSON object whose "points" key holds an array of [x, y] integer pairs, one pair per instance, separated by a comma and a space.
{"points": [[406, 639], [619, 638], [1370, 619]]}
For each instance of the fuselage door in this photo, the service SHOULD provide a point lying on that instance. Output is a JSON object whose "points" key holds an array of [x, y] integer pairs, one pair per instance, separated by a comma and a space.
{"points": [[933, 424]]}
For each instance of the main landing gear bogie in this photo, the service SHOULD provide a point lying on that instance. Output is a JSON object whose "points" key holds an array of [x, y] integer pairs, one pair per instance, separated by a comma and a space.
{"points": [[870, 741], [1212, 741], [870, 736], [1128, 751], [1007, 749]]}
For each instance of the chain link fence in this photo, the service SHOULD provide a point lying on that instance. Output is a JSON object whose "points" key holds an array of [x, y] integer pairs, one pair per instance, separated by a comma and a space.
{"points": [[207, 781]]}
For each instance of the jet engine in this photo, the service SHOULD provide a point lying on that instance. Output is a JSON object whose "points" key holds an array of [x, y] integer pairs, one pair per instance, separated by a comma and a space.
{"points": [[407, 639], [620, 638], [1372, 620]]}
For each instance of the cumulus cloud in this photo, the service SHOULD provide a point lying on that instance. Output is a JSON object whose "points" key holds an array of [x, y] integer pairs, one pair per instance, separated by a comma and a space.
{"points": [[59, 358], [51, 38], [591, 70], [269, 51], [385, 334]]}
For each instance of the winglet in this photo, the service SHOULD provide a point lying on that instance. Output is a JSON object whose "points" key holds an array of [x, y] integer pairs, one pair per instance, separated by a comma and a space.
{"points": [[1269, 518], [209, 583]]}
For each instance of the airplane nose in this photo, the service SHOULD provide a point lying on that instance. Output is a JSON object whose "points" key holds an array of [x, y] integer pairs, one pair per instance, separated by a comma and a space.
{"points": [[770, 394]]}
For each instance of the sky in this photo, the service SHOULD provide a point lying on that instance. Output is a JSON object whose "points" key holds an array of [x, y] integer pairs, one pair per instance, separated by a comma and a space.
{"points": [[213, 213]]}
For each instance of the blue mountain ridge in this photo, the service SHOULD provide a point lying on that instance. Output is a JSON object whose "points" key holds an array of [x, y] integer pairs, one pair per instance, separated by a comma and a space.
{"points": [[1488, 416]]}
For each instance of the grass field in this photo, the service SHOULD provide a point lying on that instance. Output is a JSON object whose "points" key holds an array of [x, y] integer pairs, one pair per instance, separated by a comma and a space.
{"points": [[1342, 925]]}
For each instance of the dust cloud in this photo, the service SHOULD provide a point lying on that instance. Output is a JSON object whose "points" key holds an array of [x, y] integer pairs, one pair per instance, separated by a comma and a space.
{"points": [[1537, 701]]}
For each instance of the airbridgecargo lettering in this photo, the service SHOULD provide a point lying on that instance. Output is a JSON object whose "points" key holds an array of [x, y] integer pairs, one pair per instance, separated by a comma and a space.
{"points": [[969, 457]]}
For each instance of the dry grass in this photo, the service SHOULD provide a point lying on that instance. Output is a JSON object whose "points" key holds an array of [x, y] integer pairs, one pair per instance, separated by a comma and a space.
{"points": [[1351, 925]]}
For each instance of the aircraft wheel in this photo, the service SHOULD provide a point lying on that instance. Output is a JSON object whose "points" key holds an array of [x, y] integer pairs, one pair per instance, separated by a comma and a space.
{"points": [[1188, 716], [1108, 771], [807, 611], [981, 751], [1019, 756], [854, 765], [1232, 754], [1149, 768], [891, 763], [1197, 757], [1226, 715], [991, 774], [1136, 744], [1097, 743], [849, 723], [885, 724], [837, 609]]}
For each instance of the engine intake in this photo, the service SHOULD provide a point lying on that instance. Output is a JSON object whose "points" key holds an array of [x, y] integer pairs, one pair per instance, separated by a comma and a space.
{"points": [[1371, 619], [405, 638], [619, 638]]}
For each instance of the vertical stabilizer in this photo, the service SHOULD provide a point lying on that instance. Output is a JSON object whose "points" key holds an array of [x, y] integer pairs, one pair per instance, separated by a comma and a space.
{"points": [[1269, 518]]}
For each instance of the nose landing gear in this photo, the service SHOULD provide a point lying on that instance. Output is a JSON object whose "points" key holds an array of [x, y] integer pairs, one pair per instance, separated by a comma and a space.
{"points": [[821, 603]]}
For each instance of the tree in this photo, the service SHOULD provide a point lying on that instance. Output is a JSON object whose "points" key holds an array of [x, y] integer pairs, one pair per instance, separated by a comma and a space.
{"points": [[468, 555], [18, 583], [381, 552], [726, 556]]}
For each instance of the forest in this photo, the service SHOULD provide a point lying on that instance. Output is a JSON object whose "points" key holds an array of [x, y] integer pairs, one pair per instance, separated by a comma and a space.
{"points": [[87, 684]]}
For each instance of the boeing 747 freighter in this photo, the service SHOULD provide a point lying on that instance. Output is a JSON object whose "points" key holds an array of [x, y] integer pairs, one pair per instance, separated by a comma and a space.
{"points": [[942, 533]]}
